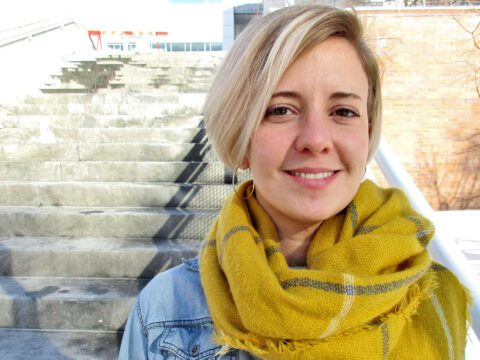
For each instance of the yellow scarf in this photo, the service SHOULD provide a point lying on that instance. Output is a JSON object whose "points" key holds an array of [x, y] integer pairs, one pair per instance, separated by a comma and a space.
{"points": [[368, 286]]}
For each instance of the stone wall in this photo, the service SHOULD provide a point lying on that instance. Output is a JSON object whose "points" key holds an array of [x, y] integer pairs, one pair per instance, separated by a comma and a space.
{"points": [[431, 105]]}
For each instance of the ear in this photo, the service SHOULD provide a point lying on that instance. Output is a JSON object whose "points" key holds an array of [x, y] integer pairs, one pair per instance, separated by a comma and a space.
{"points": [[245, 163]]}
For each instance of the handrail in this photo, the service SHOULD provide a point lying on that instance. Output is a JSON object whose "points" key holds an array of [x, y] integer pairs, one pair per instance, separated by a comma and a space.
{"points": [[13, 35], [442, 250]]}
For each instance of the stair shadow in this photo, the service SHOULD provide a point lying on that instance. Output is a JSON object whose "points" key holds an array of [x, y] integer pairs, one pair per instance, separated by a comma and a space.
{"points": [[180, 201], [17, 311]]}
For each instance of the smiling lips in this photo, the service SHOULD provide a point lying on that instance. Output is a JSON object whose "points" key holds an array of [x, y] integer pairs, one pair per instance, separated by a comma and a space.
{"points": [[312, 175]]}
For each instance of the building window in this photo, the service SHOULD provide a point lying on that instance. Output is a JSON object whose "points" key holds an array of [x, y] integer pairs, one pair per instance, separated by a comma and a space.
{"points": [[216, 46], [178, 47], [198, 46], [115, 46], [186, 46]]}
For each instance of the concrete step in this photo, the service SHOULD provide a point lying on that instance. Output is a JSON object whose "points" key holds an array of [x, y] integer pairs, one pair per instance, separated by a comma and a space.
{"points": [[124, 97], [59, 344], [173, 59], [66, 303], [60, 99], [146, 152], [172, 75], [165, 109], [100, 121], [112, 194], [52, 88], [184, 73], [107, 152], [104, 171], [163, 223], [92, 257], [182, 86], [101, 135]]}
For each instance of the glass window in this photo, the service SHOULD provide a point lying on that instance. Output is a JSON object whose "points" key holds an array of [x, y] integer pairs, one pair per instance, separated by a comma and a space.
{"points": [[115, 46], [178, 46], [216, 46], [198, 46]]}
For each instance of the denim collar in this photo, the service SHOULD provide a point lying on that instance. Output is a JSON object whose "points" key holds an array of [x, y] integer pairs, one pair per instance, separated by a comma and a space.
{"points": [[192, 264]]}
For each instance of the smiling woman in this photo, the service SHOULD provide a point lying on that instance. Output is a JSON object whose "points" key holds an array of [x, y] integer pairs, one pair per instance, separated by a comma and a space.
{"points": [[306, 260]]}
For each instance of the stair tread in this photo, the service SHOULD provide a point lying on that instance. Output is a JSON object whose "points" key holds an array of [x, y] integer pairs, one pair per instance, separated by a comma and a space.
{"points": [[106, 210], [92, 257], [135, 184], [30, 243], [59, 344], [55, 288]]}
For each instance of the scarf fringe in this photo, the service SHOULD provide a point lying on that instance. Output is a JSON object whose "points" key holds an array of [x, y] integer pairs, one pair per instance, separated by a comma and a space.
{"points": [[469, 305], [417, 293], [271, 346]]}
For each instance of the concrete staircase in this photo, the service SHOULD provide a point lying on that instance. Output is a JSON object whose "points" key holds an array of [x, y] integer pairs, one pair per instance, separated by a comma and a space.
{"points": [[105, 180]]}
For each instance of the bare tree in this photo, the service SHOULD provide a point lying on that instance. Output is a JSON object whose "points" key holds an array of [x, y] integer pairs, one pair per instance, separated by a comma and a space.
{"points": [[470, 153]]}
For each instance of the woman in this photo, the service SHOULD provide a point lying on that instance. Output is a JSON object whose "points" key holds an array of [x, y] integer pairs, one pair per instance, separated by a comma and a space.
{"points": [[305, 261]]}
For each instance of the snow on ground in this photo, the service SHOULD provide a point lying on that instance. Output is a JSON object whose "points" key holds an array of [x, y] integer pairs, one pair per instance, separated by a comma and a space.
{"points": [[463, 227]]}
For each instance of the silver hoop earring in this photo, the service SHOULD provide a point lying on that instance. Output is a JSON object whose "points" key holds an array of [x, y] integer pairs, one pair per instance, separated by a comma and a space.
{"points": [[234, 175]]}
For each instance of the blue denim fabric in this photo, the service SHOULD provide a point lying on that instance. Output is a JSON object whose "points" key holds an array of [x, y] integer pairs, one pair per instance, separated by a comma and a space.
{"points": [[170, 320]]}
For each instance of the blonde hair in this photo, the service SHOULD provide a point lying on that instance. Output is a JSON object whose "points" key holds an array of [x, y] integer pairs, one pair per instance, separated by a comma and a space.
{"points": [[248, 75]]}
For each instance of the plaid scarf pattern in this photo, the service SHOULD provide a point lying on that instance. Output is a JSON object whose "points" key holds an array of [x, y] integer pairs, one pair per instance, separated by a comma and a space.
{"points": [[369, 285]]}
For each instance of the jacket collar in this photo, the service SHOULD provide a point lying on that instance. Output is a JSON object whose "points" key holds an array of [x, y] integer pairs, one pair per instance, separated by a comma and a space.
{"points": [[192, 264]]}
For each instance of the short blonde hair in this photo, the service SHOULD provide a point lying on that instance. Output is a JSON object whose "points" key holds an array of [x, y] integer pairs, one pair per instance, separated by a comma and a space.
{"points": [[248, 75]]}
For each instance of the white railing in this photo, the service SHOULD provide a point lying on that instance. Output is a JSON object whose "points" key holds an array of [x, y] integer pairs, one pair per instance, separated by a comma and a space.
{"points": [[26, 32], [443, 249]]}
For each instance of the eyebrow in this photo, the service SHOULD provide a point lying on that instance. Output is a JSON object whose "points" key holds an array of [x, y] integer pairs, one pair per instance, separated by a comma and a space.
{"points": [[335, 95], [288, 94], [342, 95]]}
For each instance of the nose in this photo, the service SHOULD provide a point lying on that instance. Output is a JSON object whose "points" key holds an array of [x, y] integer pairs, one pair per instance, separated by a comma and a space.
{"points": [[314, 134]]}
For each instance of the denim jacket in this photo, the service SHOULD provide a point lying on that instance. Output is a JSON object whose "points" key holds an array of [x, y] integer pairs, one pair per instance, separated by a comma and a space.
{"points": [[170, 320]]}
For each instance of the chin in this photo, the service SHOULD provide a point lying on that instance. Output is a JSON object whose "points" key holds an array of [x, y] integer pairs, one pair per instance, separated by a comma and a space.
{"points": [[309, 220]]}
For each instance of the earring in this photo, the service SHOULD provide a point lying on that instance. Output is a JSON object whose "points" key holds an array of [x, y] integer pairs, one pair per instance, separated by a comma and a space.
{"points": [[234, 175]]}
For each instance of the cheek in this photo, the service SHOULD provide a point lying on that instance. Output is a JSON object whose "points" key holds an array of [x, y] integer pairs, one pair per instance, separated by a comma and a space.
{"points": [[268, 147], [355, 147], [360, 138]]}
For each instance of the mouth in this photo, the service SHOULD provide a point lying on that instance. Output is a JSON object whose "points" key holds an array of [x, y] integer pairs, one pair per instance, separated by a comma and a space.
{"points": [[312, 178], [312, 175]]}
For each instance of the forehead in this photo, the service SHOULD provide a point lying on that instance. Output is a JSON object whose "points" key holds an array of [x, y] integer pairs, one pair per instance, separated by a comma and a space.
{"points": [[331, 65]]}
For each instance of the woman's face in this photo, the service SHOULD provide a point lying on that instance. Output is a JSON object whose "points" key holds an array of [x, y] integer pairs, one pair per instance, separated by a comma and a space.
{"points": [[309, 154]]}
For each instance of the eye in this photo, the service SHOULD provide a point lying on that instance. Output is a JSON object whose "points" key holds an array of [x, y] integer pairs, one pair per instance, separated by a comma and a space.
{"points": [[345, 113], [279, 110]]}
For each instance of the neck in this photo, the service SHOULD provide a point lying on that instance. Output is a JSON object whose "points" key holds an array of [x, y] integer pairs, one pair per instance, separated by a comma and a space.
{"points": [[294, 246]]}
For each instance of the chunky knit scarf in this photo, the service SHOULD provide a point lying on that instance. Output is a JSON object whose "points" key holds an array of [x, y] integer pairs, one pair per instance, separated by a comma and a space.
{"points": [[370, 290]]}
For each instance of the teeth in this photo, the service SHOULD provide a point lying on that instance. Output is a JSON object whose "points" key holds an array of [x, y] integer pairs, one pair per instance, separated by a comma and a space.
{"points": [[313, 176]]}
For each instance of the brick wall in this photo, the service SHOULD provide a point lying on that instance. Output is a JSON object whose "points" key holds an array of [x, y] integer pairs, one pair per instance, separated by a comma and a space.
{"points": [[430, 101]]}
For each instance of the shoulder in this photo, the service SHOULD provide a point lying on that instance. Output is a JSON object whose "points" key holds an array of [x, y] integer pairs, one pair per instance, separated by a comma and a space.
{"points": [[174, 295], [170, 319]]}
